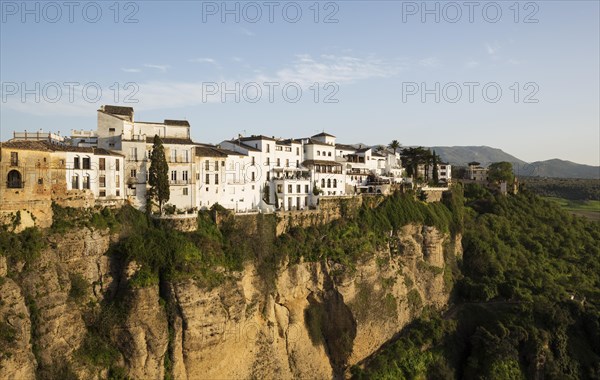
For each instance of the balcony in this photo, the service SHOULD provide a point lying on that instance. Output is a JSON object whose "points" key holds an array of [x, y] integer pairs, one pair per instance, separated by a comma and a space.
{"points": [[179, 182]]}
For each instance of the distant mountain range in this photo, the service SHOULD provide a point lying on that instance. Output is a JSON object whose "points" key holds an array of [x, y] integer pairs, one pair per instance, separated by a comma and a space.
{"points": [[485, 155]]}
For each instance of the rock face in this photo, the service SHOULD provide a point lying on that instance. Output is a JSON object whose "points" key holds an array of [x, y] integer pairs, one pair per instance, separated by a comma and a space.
{"points": [[313, 321]]}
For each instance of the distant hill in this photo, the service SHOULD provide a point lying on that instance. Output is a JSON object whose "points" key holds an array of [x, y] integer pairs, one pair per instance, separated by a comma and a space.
{"points": [[485, 155], [555, 168]]}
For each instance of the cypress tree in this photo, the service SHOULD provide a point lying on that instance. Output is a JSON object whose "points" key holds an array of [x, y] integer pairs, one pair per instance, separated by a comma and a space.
{"points": [[158, 174]]}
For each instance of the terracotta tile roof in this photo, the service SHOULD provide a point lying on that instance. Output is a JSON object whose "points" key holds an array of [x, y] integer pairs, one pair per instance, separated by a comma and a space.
{"points": [[242, 145], [231, 152], [44, 146], [323, 134], [320, 162], [205, 151], [184, 123], [118, 110], [310, 141], [171, 140], [256, 138], [344, 147]]}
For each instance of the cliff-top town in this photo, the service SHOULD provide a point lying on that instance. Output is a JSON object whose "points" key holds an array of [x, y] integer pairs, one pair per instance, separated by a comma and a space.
{"points": [[109, 166]]}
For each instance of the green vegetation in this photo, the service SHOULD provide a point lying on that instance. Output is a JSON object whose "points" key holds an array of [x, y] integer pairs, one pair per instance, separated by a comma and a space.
{"points": [[589, 209], [25, 246], [68, 218], [346, 240], [79, 287], [526, 302], [501, 172], [572, 189], [158, 175]]}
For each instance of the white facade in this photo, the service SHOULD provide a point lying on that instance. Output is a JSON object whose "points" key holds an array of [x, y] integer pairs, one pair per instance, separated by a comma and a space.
{"points": [[98, 171]]}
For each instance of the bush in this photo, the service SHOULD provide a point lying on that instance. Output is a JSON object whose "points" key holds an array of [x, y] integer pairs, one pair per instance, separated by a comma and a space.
{"points": [[79, 287]]}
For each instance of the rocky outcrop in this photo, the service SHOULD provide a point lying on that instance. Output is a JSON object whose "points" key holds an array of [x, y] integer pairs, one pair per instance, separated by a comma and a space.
{"points": [[314, 321]]}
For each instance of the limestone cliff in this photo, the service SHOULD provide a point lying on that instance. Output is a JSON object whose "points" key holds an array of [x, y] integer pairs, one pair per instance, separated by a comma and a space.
{"points": [[314, 321]]}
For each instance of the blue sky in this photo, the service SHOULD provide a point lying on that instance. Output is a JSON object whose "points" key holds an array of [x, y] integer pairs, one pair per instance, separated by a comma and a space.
{"points": [[377, 58]]}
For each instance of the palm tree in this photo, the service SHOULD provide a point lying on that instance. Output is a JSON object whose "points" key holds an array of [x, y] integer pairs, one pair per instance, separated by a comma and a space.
{"points": [[394, 145]]}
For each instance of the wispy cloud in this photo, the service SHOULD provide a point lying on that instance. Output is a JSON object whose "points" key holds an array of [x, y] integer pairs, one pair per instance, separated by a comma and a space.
{"points": [[492, 50], [247, 32], [430, 62], [471, 64], [130, 70], [162, 68], [304, 70], [203, 60], [237, 59]]}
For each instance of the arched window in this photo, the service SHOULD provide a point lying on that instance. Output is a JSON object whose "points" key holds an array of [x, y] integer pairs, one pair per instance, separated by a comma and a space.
{"points": [[318, 152], [323, 183], [329, 183], [335, 183], [14, 180]]}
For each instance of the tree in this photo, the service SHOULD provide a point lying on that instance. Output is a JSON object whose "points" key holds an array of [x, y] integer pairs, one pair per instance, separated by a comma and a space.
{"points": [[435, 174], [394, 145], [413, 157], [501, 172], [158, 174]]}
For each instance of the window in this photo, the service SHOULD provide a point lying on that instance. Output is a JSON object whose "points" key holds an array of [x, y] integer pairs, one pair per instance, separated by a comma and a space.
{"points": [[74, 182], [86, 182], [268, 148], [287, 162], [279, 162], [102, 181], [306, 189], [14, 180], [335, 183], [297, 151], [329, 154], [185, 191], [118, 193], [253, 161], [102, 164], [216, 179], [111, 129], [118, 181], [133, 173], [216, 165], [206, 165], [329, 183], [102, 193], [279, 189], [298, 188], [253, 177], [173, 175], [117, 164], [133, 153], [76, 163], [187, 157], [222, 164], [40, 181], [184, 175], [86, 163], [14, 159], [290, 189], [207, 179], [318, 153], [297, 163], [323, 183], [268, 161], [173, 155]]}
